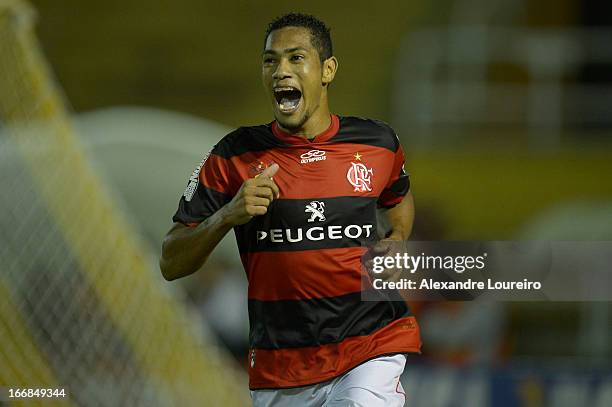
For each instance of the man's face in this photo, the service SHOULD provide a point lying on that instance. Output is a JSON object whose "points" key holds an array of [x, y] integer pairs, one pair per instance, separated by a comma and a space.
{"points": [[292, 76]]}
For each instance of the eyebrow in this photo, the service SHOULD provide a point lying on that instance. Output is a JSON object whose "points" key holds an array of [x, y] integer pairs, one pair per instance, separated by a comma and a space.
{"points": [[285, 51]]}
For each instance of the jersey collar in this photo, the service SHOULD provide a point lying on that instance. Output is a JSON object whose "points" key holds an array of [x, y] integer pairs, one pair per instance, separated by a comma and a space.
{"points": [[297, 139]]}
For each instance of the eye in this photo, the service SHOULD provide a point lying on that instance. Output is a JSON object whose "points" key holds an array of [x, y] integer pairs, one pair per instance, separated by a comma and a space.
{"points": [[297, 57], [268, 60]]}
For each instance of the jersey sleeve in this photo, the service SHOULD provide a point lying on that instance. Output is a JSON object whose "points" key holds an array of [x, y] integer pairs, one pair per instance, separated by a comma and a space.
{"points": [[398, 184], [208, 189]]}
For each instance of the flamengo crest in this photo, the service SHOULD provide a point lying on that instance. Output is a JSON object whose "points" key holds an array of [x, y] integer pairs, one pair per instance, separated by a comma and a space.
{"points": [[360, 177]]}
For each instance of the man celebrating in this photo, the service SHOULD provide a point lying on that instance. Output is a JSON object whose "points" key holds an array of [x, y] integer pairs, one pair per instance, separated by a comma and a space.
{"points": [[301, 194]]}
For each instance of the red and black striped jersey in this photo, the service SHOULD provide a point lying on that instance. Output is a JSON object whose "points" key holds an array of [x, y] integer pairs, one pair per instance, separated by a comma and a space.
{"points": [[308, 322]]}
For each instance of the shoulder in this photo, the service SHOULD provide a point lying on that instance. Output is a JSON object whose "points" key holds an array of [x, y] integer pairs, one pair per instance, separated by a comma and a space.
{"points": [[367, 131], [245, 139]]}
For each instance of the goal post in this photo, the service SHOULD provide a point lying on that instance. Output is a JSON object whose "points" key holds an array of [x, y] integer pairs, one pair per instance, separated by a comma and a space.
{"points": [[82, 304]]}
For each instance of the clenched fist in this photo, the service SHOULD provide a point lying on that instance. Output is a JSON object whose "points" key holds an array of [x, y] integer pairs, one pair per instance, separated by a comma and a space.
{"points": [[253, 198]]}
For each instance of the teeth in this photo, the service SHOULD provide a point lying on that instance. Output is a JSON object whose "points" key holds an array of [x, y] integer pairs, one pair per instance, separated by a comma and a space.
{"points": [[285, 88], [288, 104]]}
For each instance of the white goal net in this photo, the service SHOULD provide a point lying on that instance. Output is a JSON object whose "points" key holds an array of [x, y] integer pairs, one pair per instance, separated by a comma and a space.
{"points": [[82, 305]]}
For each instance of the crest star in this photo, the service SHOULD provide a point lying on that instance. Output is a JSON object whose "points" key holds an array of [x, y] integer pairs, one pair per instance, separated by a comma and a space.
{"points": [[357, 157]]}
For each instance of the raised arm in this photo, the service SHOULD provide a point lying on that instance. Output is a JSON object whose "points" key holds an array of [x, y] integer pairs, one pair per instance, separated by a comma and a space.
{"points": [[185, 249]]}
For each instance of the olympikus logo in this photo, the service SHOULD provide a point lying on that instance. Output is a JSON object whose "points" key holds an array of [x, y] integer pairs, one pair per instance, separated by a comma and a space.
{"points": [[315, 233], [312, 155]]}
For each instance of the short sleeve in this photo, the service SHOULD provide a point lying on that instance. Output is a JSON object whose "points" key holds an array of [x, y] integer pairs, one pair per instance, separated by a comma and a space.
{"points": [[208, 190], [398, 184]]}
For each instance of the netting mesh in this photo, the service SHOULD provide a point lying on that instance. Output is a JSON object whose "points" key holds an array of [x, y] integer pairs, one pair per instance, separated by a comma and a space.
{"points": [[81, 304]]}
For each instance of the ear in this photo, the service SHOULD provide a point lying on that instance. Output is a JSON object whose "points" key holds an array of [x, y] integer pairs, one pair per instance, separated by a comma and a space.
{"points": [[329, 68]]}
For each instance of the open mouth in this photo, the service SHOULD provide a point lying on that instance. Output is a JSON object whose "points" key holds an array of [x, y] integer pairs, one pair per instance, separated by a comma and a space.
{"points": [[288, 98]]}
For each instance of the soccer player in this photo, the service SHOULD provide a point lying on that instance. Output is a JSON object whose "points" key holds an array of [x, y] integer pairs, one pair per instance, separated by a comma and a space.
{"points": [[301, 194]]}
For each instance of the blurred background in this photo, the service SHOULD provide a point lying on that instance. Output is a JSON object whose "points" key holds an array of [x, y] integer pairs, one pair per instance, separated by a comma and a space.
{"points": [[504, 110]]}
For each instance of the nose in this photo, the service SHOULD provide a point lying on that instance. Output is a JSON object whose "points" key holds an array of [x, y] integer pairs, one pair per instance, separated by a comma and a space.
{"points": [[282, 70]]}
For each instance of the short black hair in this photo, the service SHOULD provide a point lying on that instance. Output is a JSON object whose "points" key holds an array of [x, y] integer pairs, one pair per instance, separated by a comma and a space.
{"points": [[319, 32]]}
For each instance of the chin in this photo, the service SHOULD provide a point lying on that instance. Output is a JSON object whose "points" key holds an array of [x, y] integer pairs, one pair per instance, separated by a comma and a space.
{"points": [[290, 123]]}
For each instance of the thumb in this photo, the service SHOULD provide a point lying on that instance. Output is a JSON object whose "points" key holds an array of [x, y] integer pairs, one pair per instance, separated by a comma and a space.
{"points": [[270, 171]]}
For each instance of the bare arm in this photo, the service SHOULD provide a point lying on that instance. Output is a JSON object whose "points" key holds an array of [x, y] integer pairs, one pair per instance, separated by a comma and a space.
{"points": [[179, 254], [401, 218], [185, 249]]}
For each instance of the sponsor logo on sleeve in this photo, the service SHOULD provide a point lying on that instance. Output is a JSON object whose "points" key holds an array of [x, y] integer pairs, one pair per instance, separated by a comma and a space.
{"points": [[192, 186]]}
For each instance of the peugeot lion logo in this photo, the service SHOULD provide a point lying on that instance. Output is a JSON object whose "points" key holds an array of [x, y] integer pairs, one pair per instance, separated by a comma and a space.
{"points": [[316, 209]]}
